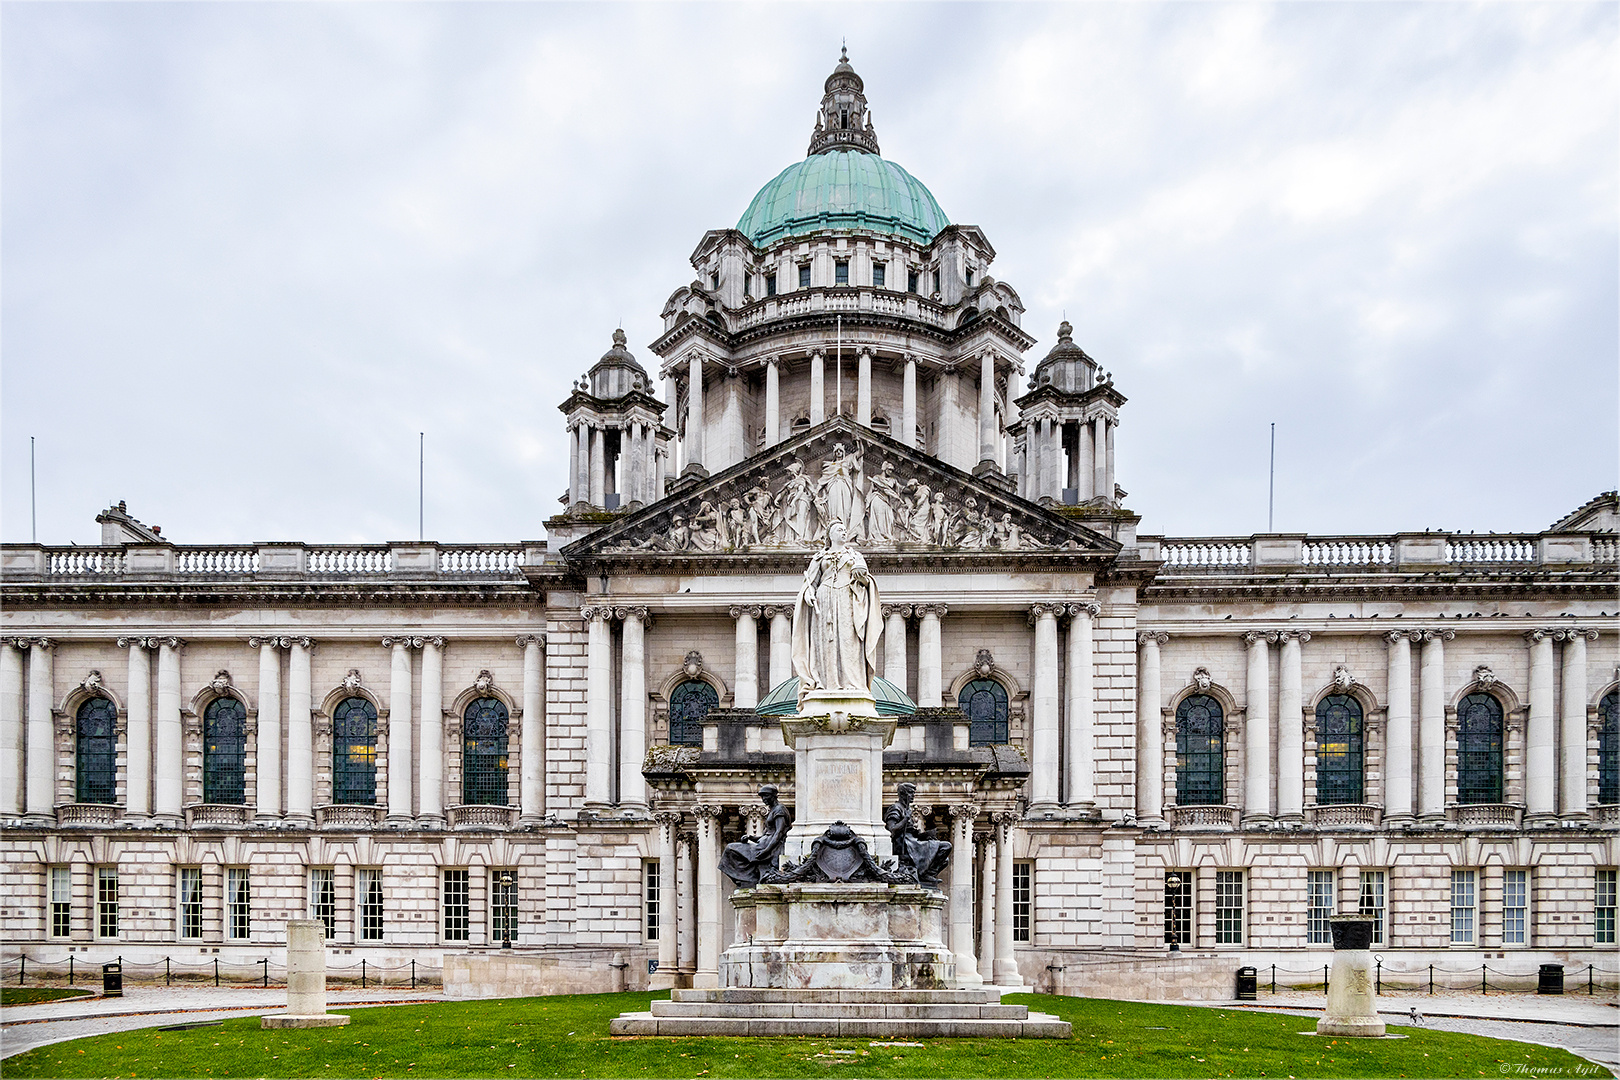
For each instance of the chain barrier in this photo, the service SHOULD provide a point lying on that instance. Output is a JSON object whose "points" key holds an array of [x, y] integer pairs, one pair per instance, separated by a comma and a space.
{"points": [[218, 971]]}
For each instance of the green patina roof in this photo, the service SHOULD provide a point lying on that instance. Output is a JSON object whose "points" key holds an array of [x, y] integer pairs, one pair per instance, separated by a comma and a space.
{"points": [[846, 189], [783, 700]]}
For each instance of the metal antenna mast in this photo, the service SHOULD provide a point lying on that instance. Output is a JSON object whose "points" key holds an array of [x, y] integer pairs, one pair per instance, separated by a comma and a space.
{"points": [[1271, 493], [421, 484]]}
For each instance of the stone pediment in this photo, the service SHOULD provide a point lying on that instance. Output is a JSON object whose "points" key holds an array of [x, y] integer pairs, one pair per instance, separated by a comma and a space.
{"points": [[890, 498]]}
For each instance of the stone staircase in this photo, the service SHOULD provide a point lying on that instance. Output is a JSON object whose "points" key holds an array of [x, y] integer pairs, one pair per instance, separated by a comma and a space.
{"points": [[831, 1013]]}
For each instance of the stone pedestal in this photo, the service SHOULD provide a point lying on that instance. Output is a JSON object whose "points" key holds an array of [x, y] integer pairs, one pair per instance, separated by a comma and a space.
{"points": [[837, 743], [1352, 1007], [306, 979], [839, 936]]}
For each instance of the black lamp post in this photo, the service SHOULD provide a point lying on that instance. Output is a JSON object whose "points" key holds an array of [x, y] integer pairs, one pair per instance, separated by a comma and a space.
{"points": [[510, 909]]}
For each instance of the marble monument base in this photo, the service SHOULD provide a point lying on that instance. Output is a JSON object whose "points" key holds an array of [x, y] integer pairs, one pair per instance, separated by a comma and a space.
{"points": [[839, 936], [837, 742], [1352, 1007]]}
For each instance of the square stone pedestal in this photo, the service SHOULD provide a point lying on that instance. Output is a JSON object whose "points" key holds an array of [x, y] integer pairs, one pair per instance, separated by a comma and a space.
{"points": [[837, 746]]}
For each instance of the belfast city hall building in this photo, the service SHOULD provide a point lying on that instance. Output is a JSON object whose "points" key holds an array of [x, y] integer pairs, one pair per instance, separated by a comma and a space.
{"points": [[1157, 758]]}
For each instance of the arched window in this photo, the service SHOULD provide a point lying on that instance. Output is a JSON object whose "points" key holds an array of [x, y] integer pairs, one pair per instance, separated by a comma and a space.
{"points": [[1479, 749], [985, 702], [689, 703], [225, 752], [483, 753], [1338, 750], [1200, 752], [354, 753], [95, 754], [1609, 749]]}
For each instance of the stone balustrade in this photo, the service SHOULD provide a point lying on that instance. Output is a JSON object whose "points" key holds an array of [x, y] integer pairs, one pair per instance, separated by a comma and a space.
{"points": [[348, 816], [1290, 551], [24, 562], [1345, 816], [87, 815], [1485, 815], [837, 299], [481, 817], [217, 816], [1208, 818]]}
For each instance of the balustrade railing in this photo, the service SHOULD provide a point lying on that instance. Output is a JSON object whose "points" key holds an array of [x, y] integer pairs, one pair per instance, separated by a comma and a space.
{"points": [[1605, 551], [480, 560], [1344, 816], [348, 816], [1348, 551], [218, 815], [87, 815], [481, 817], [1491, 549], [86, 561], [1485, 815], [350, 560], [1202, 817], [233, 560], [1206, 554]]}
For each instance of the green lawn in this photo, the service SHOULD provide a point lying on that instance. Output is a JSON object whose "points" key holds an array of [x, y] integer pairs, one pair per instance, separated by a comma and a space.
{"points": [[567, 1037], [29, 995]]}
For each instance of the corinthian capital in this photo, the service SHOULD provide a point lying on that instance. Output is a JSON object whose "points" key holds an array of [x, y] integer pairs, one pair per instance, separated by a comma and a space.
{"points": [[967, 810], [707, 811]]}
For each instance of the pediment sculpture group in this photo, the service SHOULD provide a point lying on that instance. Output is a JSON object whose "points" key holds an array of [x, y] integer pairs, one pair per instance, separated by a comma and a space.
{"points": [[875, 506]]}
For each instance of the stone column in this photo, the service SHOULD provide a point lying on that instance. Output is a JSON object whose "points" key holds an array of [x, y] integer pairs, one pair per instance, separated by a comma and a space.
{"points": [[1041, 431], [532, 789], [633, 710], [987, 408], [961, 893], [863, 388], [1398, 729], [745, 686], [781, 644], [987, 905], [908, 403], [1257, 729], [41, 776], [1291, 728], [694, 412], [668, 901], [301, 735], [707, 976], [686, 867], [773, 402], [573, 465], [818, 387], [1083, 450], [430, 767], [894, 644], [1043, 781], [168, 778], [1006, 963], [1099, 463], [930, 662], [1010, 392], [598, 467], [598, 709], [1109, 472], [267, 789], [1541, 731], [138, 737], [1573, 787], [1149, 729], [1082, 773], [11, 727], [1432, 723], [400, 808]]}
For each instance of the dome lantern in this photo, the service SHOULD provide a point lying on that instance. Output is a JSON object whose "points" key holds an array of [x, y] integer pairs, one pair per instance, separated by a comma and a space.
{"points": [[844, 122]]}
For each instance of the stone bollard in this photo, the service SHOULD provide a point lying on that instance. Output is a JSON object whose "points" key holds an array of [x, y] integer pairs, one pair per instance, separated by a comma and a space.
{"points": [[306, 979], [1352, 1008]]}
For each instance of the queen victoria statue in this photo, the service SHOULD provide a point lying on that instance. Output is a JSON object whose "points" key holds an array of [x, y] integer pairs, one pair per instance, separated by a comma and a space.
{"points": [[837, 621]]}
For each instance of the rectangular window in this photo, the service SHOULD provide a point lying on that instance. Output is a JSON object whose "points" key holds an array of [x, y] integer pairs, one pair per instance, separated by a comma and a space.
{"points": [[61, 901], [1372, 901], [503, 908], [1515, 893], [1178, 908], [1229, 907], [911, 281], [190, 903], [714, 281], [1319, 888], [880, 271], [107, 902], [456, 906], [970, 279], [770, 284], [1603, 924], [654, 896], [804, 276], [238, 901], [369, 886], [323, 899], [1023, 900], [1462, 907], [936, 281], [841, 272]]}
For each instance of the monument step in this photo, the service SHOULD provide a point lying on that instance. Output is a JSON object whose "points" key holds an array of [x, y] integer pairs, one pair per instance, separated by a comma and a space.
{"points": [[781, 1010], [834, 995], [1038, 1026]]}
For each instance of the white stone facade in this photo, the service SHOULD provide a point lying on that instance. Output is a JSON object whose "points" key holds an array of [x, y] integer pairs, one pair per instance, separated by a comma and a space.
{"points": [[1007, 567]]}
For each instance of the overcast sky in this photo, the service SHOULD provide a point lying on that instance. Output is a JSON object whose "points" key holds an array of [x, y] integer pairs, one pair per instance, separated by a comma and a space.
{"points": [[250, 251]]}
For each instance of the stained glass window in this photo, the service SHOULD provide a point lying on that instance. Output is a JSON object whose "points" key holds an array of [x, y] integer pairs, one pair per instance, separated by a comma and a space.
{"points": [[689, 703], [1200, 752], [96, 752], [354, 753], [1479, 749], [224, 752], [985, 703], [484, 771], [1338, 750], [1609, 749]]}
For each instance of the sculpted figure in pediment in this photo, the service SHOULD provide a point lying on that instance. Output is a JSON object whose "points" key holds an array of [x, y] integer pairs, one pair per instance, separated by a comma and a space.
{"points": [[706, 528], [918, 510], [797, 503], [883, 498], [838, 492], [763, 526]]}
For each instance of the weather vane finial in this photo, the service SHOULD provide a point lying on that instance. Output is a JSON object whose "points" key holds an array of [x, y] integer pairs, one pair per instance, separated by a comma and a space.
{"points": [[843, 49]]}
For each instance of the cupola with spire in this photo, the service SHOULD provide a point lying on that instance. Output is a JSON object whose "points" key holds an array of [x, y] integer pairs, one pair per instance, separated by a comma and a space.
{"points": [[1064, 436], [844, 122], [617, 443]]}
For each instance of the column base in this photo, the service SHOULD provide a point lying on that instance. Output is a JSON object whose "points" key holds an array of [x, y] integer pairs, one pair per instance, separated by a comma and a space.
{"points": [[1545, 819], [1258, 821], [430, 821], [967, 971], [706, 980], [399, 821], [1575, 817], [632, 810], [258, 819], [1007, 973], [168, 821], [1043, 810]]}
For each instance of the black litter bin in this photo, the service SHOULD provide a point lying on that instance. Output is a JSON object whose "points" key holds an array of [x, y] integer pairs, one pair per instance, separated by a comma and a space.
{"points": [[112, 980], [1248, 984], [1552, 979]]}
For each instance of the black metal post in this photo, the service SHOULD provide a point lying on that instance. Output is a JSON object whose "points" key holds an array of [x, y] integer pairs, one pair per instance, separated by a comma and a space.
{"points": [[70, 970], [1588, 980], [1324, 978], [216, 971], [266, 963], [1378, 978], [1273, 978], [1483, 987], [413, 974], [1431, 979], [22, 969], [166, 980], [362, 974]]}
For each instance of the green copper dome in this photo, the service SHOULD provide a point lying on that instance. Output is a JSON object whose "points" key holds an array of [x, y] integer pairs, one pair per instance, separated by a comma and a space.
{"points": [[784, 699], [845, 189]]}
